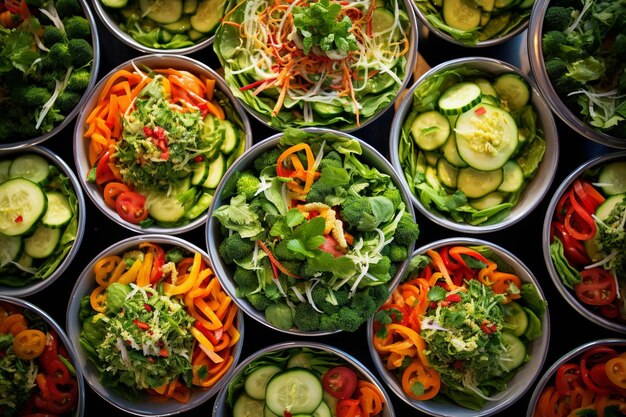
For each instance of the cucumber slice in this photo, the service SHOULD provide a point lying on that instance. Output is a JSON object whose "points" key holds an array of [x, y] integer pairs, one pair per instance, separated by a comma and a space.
{"points": [[459, 98], [180, 26], [447, 173], [323, 410], [604, 210], [43, 242], [190, 6], [515, 352], [495, 25], [231, 138], [59, 212], [200, 207], [30, 166], [162, 11], [486, 5], [326, 109], [487, 201], [513, 90], [486, 87], [486, 137], [268, 413], [255, 382], [22, 203], [451, 153], [513, 177], [4, 169], [296, 390], [475, 183], [612, 178], [515, 318], [461, 14], [115, 4], [217, 168], [300, 360], [208, 15], [503, 4], [200, 172], [430, 130], [10, 249], [164, 208], [245, 406]]}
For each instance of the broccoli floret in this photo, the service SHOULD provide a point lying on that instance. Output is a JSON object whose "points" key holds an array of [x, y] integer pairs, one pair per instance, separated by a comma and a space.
{"points": [[305, 318], [321, 297], [266, 159], [379, 294], [52, 35], [381, 268], [68, 7], [319, 191], [349, 319], [79, 81], [394, 195], [342, 295], [279, 315], [77, 27], [67, 101], [332, 158], [555, 68], [247, 184], [352, 210], [59, 56], [551, 43], [30, 95], [398, 253], [80, 51], [564, 85], [259, 301], [234, 247], [557, 18], [407, 231], [245, 279]]}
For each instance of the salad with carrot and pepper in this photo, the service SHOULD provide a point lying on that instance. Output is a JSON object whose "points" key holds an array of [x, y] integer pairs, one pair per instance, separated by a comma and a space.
{"points": [[312, 233], [37, 376], [587, 239], [159, 142], [459, 326]]}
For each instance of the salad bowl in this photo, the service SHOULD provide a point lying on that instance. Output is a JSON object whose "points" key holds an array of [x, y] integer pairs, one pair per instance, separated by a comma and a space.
{"points": [[582, 248], [43, 238], [471, 322], [159, 131], [563, 381], [329, 239], [332, 64], [153, 330], [162, 26], [315, 365], [46, 88], [35, 339], [475, 144], [588, 104]]}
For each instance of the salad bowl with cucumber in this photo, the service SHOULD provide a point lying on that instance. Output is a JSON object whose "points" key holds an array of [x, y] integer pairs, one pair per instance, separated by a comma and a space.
{"points": [[466, 331], [154, 141], [42, 219], [302, 379], [476, 145], [584, 244]]}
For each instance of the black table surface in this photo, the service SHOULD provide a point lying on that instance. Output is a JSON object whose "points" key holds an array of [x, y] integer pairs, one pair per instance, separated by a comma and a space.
{"points": [[524, 239]]}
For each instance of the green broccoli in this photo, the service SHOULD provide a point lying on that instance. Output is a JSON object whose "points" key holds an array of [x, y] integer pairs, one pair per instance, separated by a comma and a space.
{"points": [[68, 8], [321, 297], [319, 191], [305, 318], [259, 301], [349, 319], [555, 68], [234, 247], [279, 315], [266, 159], [379, 294], [77, 27], [79, 81], [557, 18], [247, 184], [30, 95], [245, 279], [407, 231], [394, 195], [67, 101], [332, 158], [398, 253], [381, 268], [352, 210], [551, 43], [52, 35], [80, 51], [59, 56]]}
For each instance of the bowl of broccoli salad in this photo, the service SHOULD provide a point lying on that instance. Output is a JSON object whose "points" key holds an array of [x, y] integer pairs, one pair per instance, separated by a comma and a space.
{"points": [[49, 62], [576, 50], [466, 331], [309, 230], [475, 144]]}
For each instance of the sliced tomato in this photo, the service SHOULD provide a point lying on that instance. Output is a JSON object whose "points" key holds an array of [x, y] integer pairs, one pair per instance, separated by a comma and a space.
{"points": [[597, 287], [331, 246], [349, 408], [104, 173], [340, 382], [568, 378], [111, 191], [131, 207]]}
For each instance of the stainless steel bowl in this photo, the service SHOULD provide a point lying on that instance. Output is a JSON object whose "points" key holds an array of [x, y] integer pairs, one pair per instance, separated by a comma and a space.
{"points": [[213, 234], [584, 310], [221, 408], [537, 65], [548, 377], [62, 341], [534, 191], [95, 43], [523, 379], [81, 148], [80, 224], [145, 406]]}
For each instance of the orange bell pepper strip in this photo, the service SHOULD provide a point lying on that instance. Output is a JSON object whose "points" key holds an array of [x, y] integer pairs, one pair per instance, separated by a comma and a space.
{"points": [[370, 398], [97, 299], [143, 277], [29, 344], [14, 324], [429, 379], [407, 333], [436, 258], [285, 172], [615, 369]]}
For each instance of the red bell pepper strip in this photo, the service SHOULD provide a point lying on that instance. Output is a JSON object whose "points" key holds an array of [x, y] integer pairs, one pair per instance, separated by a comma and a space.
{"points": [[275, 262], [104, 173]]}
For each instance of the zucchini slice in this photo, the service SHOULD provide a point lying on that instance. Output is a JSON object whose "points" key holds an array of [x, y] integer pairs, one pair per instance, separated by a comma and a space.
{"points": [[515, 352], [22, 203], [217, 168], [459, 98], [164, 208], [245, 406]]}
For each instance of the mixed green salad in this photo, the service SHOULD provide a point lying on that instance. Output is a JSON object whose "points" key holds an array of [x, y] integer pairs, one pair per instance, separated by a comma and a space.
{"points": [[470, 144], [312, 233], [474, 21], [584, 49], [38, 218], [323, 63], [46, 60], [167, 24]]}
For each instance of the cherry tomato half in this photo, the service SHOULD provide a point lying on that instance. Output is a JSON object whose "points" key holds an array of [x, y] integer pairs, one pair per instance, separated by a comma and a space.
{"points": [[131, 207], [340, 382], [112, 190], [597, 287]]}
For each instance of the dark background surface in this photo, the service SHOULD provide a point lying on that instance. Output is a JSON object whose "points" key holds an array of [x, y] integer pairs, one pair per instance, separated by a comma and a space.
{"points": [[568, 328]]}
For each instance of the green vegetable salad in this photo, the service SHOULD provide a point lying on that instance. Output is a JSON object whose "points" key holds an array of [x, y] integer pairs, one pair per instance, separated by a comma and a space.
{"points": [[46, 60], [470, 144], [313, 233]]}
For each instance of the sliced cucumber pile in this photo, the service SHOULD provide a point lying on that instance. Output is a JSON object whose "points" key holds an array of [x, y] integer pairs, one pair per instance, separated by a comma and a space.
{"points": [[167, 24], [480, 140], [38, 211]]}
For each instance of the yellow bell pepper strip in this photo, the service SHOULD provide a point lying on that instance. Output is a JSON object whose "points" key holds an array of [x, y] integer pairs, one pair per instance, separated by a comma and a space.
{"points": [[131, 275], [105, 269], [616, 370], [158, 254], [29, 344], [143, 277], [187, 284]]}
